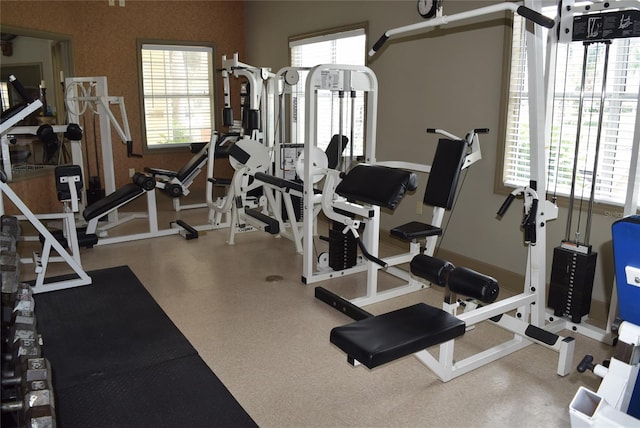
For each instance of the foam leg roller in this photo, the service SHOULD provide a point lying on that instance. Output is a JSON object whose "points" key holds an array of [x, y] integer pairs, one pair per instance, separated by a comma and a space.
{"points": [[473, 284], [430, 268]]}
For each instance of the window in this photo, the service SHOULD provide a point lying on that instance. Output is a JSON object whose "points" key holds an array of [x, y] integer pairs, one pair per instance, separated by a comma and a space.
{"points": [[344, 46], [177, 93], [618, 113]]}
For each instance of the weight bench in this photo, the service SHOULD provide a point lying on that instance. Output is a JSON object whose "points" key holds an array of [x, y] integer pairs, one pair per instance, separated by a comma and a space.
{"points": [[176, 183], [141, 184], [378, 340]]}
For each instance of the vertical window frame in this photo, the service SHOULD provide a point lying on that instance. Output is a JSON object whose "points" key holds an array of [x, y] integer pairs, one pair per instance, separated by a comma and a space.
{"points": [[213, 90]]}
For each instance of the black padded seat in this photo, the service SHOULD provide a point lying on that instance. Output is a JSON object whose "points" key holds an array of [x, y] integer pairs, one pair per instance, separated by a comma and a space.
{"points": [[377, 185], [415, 230], [381, 339], [120, 196]]}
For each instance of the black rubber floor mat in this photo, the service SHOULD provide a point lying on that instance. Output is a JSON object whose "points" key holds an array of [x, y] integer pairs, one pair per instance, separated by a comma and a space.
{"points": [[177, 393], [118, 360]]}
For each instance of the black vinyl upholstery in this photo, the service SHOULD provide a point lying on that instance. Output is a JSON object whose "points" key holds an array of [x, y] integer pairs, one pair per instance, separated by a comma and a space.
{"points": [[381, 339], [104, 205], [377, 185]]}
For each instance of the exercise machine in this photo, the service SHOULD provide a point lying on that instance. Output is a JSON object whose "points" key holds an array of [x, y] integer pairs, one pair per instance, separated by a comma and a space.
{"points": [[175, 184], [617, 401], [595, 26], [41, 259], [411, 330], [377, 340], [91, 94]]}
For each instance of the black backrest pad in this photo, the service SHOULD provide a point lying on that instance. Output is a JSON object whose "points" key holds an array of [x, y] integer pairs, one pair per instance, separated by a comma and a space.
{"points": [[63, 188], [194, 163], [334, 150], [445, 172], [376, 185]]}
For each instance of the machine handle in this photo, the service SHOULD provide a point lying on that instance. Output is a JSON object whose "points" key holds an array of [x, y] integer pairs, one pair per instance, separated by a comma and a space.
{"points": [[481, 130], [20, 89], [505, 205], [377, 45], [369, 256], [535, 17], [525, 12]]}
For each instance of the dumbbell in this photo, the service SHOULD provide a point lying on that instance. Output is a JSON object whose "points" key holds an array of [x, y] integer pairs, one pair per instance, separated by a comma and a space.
{"points": [[20, 378], [10, 224], [21, 340], [19, 301], [7, 242], [37, 406]]}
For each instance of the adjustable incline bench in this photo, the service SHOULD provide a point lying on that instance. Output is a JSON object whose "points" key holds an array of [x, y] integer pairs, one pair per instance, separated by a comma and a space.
{"points": [[176, 183]]}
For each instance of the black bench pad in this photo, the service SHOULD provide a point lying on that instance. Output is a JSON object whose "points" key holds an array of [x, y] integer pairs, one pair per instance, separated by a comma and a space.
{"points": [[381, 339], [377, 185], [120, 196]]}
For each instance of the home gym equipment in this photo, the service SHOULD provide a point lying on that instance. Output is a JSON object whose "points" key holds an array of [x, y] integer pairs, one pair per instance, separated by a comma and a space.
{"points": [[14, 115], [176, 183], [257, 116], [95, 234], [41, 259], [382, 339], [454, 154], [91, 94], [617, 401], [594, 26], [374, 341]]}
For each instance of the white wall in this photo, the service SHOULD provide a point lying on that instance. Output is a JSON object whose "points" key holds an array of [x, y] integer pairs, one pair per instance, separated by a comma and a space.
{"points": [[450, 78]]}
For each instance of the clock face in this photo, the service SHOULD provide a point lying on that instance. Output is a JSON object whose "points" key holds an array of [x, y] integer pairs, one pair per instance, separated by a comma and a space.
{"points": [[427, 8]]}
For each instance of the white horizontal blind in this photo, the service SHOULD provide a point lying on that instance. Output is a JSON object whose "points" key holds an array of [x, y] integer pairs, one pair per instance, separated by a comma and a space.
{"points": [[618, 118], [346, 47], [178, 94]]}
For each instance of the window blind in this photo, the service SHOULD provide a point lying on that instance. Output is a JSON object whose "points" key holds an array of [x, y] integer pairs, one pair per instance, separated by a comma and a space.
{"points": [[618, 113], [347, 47], [178, 93]]}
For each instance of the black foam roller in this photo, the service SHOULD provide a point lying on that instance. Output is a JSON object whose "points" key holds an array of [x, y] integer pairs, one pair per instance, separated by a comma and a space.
{"points": [[473, 284], [430, 268]]}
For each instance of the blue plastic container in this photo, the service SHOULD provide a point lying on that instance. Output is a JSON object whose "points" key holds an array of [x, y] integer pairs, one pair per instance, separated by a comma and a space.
{"points": [[626, 252]]}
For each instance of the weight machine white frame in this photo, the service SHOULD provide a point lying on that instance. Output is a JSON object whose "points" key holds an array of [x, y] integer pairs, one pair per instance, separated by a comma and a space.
{"points": [[77, 104], [41, 260], [528, 304], [570, 9]]}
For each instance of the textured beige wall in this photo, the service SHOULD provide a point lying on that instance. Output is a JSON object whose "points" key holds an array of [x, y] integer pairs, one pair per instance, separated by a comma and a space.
{"points": [[104, 44]]}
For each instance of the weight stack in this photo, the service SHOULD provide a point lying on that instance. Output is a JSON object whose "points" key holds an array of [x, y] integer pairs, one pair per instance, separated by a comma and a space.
{"points": [[572, 274], [343, 248]]}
